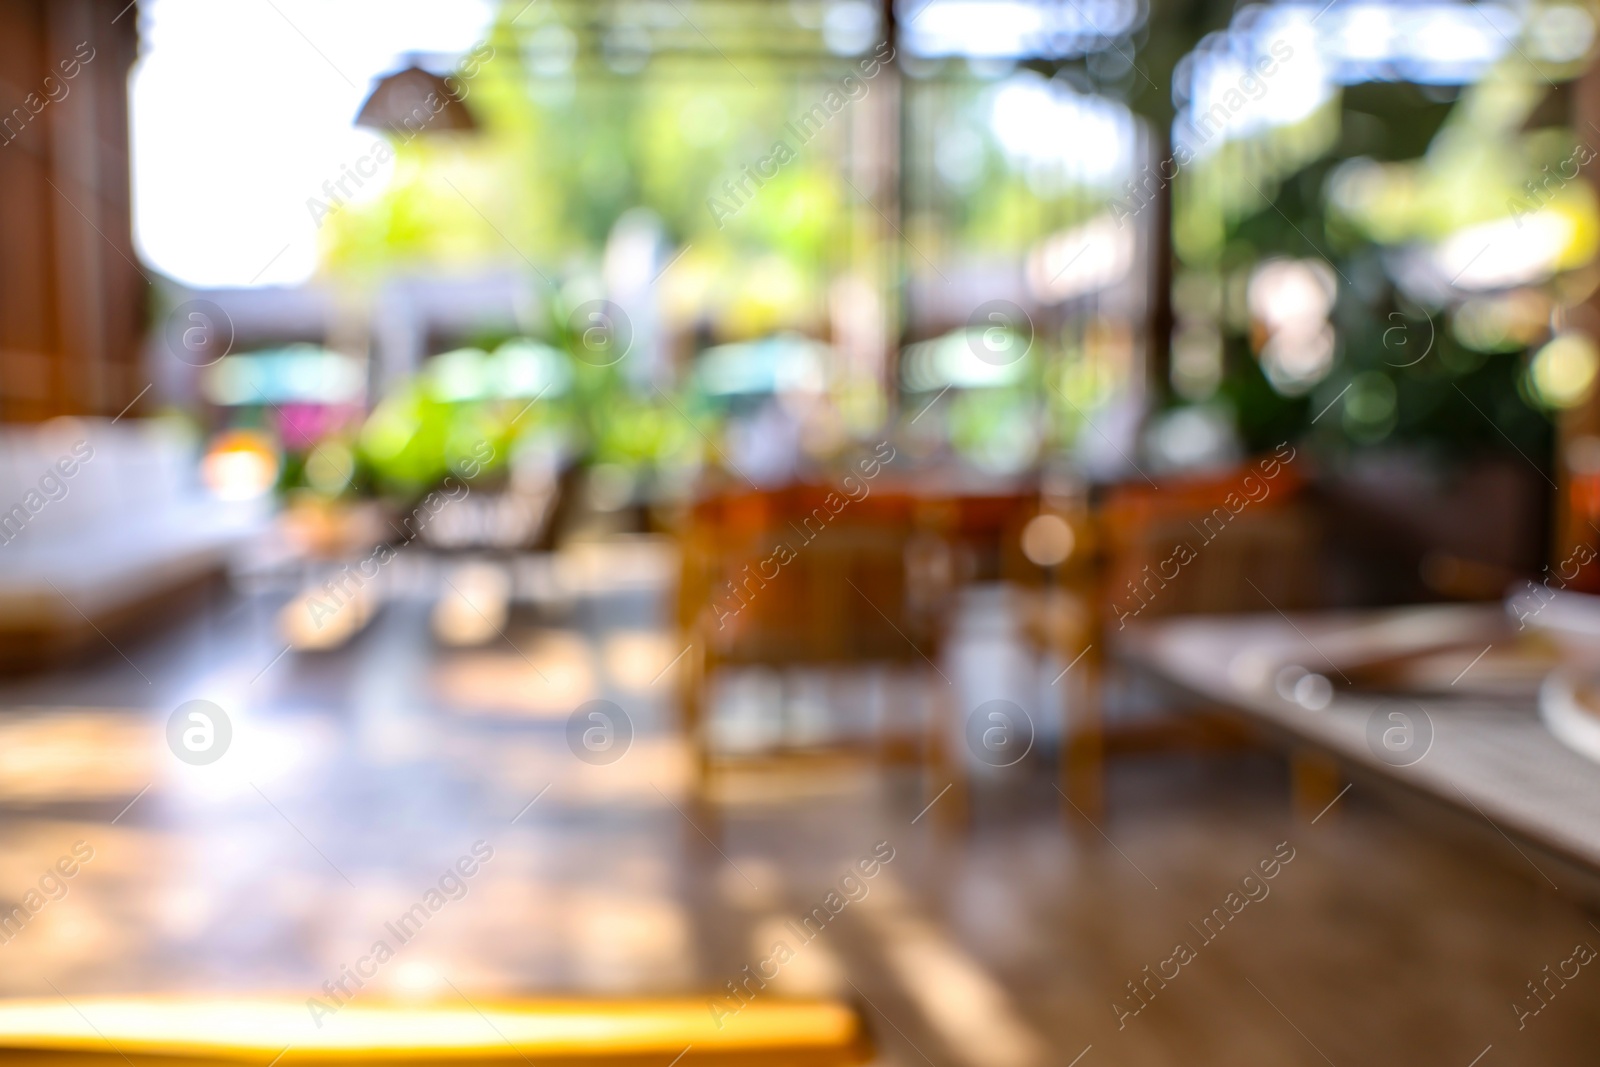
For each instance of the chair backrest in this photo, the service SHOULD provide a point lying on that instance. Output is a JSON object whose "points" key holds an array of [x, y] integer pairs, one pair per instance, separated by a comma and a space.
{"points": [[1208, 546], [806, 575]]}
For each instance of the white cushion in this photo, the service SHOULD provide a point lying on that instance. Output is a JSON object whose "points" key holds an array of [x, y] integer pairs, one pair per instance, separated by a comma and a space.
{"points": [[133, 521]]}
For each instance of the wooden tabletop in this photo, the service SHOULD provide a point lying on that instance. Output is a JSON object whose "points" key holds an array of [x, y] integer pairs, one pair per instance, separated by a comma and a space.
{"points": [[1491, 756]]}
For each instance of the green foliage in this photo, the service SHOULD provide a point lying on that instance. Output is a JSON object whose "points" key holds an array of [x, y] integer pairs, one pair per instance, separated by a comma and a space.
{"points": [[1401, 375]]}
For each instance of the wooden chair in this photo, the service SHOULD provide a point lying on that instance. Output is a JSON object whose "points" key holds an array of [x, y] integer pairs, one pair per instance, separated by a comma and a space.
{"points": [[805, 577], [1126, 568], [193, 1032]]}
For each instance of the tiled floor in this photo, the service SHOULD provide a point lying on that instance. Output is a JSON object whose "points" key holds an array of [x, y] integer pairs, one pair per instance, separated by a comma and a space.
{"points": [[355, 779]]}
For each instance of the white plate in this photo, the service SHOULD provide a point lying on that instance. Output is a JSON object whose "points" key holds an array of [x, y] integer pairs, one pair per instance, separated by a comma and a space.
{"points": [[1574, 721]]}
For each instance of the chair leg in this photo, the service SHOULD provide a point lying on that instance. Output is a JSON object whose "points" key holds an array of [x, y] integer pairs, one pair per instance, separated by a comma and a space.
{"points": [[694, 685], [949, 781], [905, 732], [1083, 746]]}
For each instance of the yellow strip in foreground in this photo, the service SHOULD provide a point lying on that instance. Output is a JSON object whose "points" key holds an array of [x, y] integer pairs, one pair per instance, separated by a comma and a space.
{"points": [[160, 1031]]}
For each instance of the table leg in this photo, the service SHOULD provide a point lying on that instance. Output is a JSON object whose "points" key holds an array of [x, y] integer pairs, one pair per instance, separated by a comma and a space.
{"points": [[1315, 780]]}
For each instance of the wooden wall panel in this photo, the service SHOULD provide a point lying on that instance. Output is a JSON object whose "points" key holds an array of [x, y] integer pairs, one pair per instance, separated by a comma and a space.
{"points": [[72, 296]]}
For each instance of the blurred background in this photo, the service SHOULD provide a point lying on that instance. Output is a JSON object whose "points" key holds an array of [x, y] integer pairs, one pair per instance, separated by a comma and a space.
{"points": [[1087, 451]]}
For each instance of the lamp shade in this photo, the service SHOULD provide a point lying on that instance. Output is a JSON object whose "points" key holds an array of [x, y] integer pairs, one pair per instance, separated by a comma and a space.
{"points": [[413, 101]]}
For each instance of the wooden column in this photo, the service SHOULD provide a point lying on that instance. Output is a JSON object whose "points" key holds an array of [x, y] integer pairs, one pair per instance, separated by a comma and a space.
{"points": [[1576, 508], [72, 298]]}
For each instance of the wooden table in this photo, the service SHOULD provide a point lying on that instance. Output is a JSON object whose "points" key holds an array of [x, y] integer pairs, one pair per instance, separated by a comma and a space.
{"points": [[1492, 759]]}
